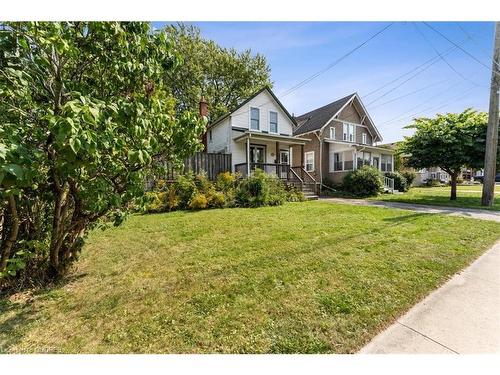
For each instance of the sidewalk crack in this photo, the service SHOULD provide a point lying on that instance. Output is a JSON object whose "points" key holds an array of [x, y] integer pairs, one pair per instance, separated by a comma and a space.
{"points": [[427, 337]]}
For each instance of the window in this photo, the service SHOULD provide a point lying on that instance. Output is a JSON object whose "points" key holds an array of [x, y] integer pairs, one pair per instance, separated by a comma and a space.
{"points": [[210, 135], [364, 158], [348, 132], [363, 138], [385, 163], [332, 132], [337, 161], [309, 157], [254, 118], [273, 122]]}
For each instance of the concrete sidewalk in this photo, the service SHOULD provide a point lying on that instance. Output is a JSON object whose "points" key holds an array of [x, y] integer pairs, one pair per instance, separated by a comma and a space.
{"points": [[462, 316], [454, 211]]}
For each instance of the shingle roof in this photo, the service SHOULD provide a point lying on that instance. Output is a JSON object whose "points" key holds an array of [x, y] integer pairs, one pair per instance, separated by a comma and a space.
{"points": [[315, 119]]}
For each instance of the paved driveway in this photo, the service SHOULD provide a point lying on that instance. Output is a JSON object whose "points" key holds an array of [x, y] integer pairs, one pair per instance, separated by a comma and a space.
{"points": [[454, 211]]}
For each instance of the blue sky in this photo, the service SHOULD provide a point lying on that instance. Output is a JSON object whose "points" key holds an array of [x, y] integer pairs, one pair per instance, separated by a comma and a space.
{"points": [[297, 50]]}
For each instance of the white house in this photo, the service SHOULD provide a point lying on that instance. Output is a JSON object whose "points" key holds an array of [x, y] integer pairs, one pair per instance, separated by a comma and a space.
{"points": [[258, 134]]}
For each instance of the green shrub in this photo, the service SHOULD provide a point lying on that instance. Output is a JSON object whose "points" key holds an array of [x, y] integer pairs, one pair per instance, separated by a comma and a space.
{"points": [[253, 191], [432, 182], [155, 201], [216, 199], [400, 182], [226, 181], [410, 177], [203, 184], [363, 182], [260, 189], [198, 202], [185, 189], [294, 195]]}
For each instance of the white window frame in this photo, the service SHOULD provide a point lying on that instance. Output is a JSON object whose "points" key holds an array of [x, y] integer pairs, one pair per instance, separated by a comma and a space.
{"points": [[277, 125], [306, 154], [332, 132], [341, 160], [250, 119], [364, 138], [348, 132]]}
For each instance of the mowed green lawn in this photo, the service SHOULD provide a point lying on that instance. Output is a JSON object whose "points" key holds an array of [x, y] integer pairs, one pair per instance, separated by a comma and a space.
{"points": [[467, 196], [313, 277]]}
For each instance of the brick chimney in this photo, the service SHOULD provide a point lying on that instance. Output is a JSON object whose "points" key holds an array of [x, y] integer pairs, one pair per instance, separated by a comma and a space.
{"points": [[203, 107]]}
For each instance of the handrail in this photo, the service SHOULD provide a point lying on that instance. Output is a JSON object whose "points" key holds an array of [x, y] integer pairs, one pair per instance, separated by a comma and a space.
{"points": [[389, 184], [296, 175]]}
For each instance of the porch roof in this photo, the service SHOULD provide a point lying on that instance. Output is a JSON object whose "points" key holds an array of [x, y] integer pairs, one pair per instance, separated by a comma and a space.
{"points": [[359, 147], [257, 136]]}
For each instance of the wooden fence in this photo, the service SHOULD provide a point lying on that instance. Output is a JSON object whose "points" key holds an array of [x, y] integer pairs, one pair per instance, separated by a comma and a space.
{"points": [[210, 163]]}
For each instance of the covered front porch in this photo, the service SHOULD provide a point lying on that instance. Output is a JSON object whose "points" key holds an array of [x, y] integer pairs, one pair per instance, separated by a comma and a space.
{"points": [[347, 157], [271, 153]]}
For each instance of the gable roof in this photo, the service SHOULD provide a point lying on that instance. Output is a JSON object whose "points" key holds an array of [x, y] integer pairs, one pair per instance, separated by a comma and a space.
{"points": [[265, 88], [318, 118]]}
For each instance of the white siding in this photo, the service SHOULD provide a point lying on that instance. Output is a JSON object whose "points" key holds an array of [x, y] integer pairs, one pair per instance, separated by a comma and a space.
{"points": [[265, 102], [220, 137]]}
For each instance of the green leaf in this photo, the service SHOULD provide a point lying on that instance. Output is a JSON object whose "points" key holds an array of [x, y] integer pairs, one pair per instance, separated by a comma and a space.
{"points": [[14, 170], [75, 145]]}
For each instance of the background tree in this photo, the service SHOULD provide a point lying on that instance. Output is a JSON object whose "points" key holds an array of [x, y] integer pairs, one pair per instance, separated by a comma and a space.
{"points": [[83, 110], [224, 77], [449, 141]]}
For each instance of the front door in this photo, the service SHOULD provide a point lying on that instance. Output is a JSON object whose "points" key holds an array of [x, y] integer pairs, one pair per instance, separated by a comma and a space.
{"points": [[257, 156], [284, 159]]}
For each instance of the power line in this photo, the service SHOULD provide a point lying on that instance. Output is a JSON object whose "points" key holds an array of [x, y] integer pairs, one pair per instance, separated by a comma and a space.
{"points": [[410, 93], [433, 108], [469, 36], [442, 57], [317, 74], [459, 47], [324, 70]]}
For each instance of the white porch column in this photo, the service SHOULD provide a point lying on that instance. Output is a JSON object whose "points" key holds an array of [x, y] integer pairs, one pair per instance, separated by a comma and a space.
{"points": [[354, 161], [248, 156], [392, 163]]}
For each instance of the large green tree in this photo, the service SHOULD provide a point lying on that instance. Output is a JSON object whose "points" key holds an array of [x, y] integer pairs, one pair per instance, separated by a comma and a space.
{"points": [[450, 141], [83, 111], [224, 77]]}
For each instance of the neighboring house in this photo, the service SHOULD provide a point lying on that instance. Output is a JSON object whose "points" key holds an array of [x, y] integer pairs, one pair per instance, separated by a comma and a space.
{"points": [[258, 134], [434, 173], [342, 138]]}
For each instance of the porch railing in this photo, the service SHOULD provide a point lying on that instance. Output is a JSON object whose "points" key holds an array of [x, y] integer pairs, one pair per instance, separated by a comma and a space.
{"points": [[280, 170], [389, 184]]}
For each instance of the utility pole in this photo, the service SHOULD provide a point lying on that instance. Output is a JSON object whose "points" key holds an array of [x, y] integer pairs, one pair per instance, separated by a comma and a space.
{"points": [[490, 157]]}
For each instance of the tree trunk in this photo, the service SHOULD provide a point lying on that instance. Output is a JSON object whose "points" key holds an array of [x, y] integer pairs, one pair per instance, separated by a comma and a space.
{"points": [[453, 195], [11, 239], [57, 223]]}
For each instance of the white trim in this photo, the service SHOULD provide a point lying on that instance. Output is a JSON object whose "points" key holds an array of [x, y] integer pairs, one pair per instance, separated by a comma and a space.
{"points": [[277, 122], [250, 107], [305, 161], [340, 110], [334, 131], [363, 138], [380, 139]]}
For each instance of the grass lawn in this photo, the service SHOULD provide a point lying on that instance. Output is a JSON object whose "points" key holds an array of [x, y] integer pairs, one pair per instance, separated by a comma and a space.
{"points": [[311, 277], [467, 196]]}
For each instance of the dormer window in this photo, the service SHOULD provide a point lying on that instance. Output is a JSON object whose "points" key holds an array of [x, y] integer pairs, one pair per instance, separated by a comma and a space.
{"points": [[254, 118]]}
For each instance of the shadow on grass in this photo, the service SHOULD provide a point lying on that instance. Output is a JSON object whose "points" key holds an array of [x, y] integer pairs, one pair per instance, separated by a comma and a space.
{"points": [[23, 310]]}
